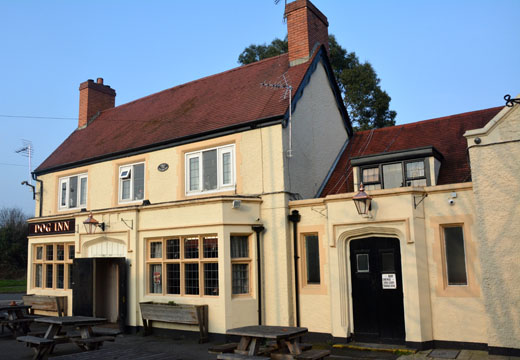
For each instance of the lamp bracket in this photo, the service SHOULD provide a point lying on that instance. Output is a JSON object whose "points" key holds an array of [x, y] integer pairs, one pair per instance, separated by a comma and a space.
{"points": [[415, 203], [131, 226]]}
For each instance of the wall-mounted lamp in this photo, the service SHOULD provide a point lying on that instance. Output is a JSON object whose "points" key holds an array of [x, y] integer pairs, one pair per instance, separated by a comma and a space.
{"points": [[91, 224], [362, 201]]}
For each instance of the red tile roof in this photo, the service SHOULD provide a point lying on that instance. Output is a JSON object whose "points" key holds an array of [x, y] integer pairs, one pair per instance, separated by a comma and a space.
{"points": [[445, 134], [230, 98]]}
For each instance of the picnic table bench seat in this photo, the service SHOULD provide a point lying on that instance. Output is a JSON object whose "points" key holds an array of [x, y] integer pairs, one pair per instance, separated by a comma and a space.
{"points": [[101, 331], [40, 345], [315, 354], [232, 356], [92, 343], [223, 348]]}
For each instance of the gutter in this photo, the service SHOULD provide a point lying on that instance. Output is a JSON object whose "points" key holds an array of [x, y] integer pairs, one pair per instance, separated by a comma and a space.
{"points": [[295, 218]]}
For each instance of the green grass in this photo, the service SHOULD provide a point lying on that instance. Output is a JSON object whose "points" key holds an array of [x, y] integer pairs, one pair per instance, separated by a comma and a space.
{"points": [[13, 286]]}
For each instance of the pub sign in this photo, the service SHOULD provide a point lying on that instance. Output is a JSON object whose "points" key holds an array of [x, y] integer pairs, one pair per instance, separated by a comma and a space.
{"points": [[66, 226]]}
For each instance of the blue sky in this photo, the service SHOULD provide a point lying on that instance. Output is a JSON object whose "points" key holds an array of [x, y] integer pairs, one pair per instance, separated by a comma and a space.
{"points": [[434, 58]]}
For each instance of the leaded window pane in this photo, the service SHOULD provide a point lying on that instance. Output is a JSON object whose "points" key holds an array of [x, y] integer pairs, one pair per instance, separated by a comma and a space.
{"points": [[194, 174], [156, 250], [155, 278], [48, 276], [240, 275], [60, 276], [60, 252], [173, 249], [71, 275], [211, 279], [370, 175], [392, 176], [239, 246], [191, 248], [191, 279], [210, 245], [415, 169], [49, 252], [72, 248], [39, 253], [38, 275], [173, 278], [226, 168]]}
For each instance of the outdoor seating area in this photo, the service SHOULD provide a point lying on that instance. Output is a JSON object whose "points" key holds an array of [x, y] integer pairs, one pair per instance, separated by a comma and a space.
{"points": [[16, 319], [268, 342]]}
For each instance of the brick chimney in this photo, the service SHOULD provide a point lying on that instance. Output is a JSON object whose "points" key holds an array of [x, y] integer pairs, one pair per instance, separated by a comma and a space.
{"points": [[94, 97], [306, 27]]}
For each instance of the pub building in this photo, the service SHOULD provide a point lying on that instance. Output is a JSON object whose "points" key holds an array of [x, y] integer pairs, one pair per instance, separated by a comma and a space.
{"points": [[216, 193]]}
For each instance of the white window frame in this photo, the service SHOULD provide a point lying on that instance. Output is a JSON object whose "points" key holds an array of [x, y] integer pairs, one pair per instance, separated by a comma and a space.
{"points": [[66, 181], [221, 186], [130, 176]]}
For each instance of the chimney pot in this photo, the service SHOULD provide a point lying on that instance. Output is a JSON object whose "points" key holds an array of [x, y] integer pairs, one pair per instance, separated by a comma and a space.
{"points": [[100, 81]]}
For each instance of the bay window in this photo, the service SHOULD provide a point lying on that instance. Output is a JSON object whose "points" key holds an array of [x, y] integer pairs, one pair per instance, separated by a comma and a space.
{"points": [[52, 266], [210, 170]]}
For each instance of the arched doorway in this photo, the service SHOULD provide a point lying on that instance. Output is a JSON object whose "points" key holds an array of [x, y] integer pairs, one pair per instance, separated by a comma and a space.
{"points": [[377, 290]]}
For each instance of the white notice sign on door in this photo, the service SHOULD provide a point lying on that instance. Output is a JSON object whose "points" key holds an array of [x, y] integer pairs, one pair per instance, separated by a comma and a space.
{"points": [[389, 281]]}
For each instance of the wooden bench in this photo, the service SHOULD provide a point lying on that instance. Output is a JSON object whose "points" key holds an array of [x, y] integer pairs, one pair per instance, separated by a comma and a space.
{"points": [[17, 326], [315, 354], [40, 345], [56, 304], [223, 348], [92, 343], [231, 356], [180, 314]]}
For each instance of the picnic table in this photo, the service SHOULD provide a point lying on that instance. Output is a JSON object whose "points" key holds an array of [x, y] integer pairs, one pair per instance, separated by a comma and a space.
{"points": [[285, 342], [17, 321], [86, 341]]}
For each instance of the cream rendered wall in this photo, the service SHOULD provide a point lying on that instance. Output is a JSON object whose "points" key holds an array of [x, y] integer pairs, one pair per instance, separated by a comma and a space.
{"points": [[318, 135], [495, 169], [432, 312]]}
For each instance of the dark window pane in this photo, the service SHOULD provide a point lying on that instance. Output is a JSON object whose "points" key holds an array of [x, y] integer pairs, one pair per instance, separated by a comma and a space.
{"points": [[211, 279], [156, 249], [63, 194], [210, 245], [48, 276], [313, 259], [173, 249], [60, 276], [387, 262], [362, 263], [60, 252], [239, 247], [240, 274], [49, 252], [191, 248], [138, 176], [71, 267], [392, 176], [209, 169], [38, 275], [71, 251], [155, 278], [73, 192], [39, 253], [173, 278], [415, 169], [455, 256], [191, 279]]}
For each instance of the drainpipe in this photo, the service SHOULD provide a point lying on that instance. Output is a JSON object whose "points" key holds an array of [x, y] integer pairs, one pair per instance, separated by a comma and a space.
{"points": [[41, 192], [258, 229], [295, 218]]}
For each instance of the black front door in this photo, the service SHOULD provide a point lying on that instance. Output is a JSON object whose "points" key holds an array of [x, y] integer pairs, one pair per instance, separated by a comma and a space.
{"points": [[83, 287], [377, 290]]}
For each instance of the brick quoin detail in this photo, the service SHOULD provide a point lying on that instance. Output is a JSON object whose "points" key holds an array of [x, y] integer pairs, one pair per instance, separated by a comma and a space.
{"points": [[94, 97], [306, 26]]}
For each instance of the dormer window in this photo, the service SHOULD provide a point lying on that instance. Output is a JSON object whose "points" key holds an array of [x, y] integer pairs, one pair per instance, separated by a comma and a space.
{"points": [[397, 169], [72, 192]]}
